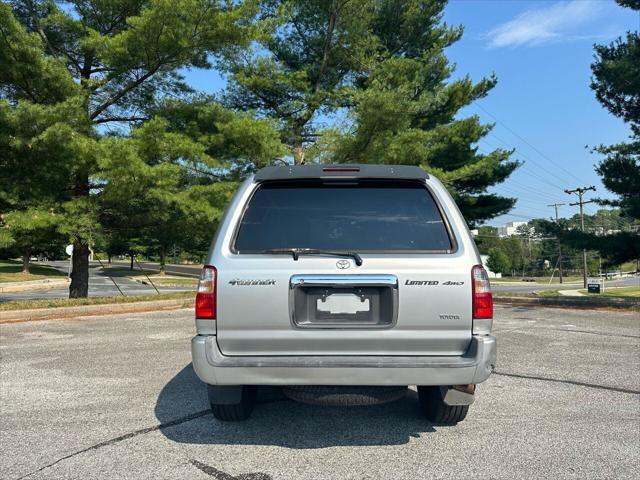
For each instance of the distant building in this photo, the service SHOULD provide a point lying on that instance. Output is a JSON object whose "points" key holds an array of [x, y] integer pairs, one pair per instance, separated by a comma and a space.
{"points": [[510, 229]]}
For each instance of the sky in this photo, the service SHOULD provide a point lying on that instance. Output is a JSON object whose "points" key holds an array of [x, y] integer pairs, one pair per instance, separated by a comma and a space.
{"points": [[542, 106]]}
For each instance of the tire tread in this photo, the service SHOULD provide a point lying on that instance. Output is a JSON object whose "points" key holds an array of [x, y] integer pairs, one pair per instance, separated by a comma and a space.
{"points": [[436, 410], [236, 411]]}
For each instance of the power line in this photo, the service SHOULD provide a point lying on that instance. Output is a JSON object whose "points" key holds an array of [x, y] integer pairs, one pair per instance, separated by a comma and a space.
{"points": [[516, 215], [522, 169], [538, 213], [525, 141], [526, 172], [531, 190], [526, 189]]}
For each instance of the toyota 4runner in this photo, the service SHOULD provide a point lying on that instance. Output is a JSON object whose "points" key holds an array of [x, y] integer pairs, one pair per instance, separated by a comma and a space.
{"points": [[345, 275]]}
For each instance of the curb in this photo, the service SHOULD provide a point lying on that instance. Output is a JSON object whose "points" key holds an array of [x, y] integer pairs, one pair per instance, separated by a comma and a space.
{"points": [[572, 302], [14, 316], [7, 287]]}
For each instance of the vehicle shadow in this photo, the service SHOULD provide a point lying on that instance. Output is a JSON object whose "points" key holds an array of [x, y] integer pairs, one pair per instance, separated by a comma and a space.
{"points": [[279, 421]]}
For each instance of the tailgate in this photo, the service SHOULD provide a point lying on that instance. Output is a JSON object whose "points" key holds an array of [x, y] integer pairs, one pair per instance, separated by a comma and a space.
{"points": [[422, 308], [410, 296]]}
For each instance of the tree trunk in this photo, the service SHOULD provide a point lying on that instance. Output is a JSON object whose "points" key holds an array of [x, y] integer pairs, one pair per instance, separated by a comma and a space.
{"points": [[79, 287], [26, 257], [296, 138], [298, 155], [163, 257]]}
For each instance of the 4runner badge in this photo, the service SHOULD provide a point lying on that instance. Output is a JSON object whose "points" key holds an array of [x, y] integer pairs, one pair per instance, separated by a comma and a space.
{"points": [[252, 283]]}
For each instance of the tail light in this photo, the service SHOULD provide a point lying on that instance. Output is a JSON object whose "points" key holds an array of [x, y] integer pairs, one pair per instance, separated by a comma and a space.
{"points": [[482, 300], [206, 296]]}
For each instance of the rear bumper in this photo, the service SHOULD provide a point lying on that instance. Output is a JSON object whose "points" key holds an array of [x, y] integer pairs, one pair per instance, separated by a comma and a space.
{"points": [[214, 368]]}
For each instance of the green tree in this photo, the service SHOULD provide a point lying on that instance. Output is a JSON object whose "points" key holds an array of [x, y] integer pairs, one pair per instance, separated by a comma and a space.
{"points": [[168, 183], [304, 65], [498, 261], [616, 83], [30, 232], [487, 238], [380, 65], [513, 248], [104, 63]]}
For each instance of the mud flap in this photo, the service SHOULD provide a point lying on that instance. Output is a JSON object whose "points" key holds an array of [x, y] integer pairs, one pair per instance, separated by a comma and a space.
{"points": [[458, 394], [225, 394]]}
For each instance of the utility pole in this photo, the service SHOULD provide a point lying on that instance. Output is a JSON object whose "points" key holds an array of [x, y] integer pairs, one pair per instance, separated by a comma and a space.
{"points": [[581, 191], [556, 205]]}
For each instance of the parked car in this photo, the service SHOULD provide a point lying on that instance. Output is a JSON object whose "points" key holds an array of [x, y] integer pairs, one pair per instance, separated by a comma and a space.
{"points": [[334, 276]]}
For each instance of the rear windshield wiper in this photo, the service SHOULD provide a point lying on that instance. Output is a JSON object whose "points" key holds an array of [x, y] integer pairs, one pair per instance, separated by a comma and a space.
{"points": [[296, 252]]}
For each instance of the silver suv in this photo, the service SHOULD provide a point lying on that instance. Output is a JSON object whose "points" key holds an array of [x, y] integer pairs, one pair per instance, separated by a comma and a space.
{"points": [[344, 276]]}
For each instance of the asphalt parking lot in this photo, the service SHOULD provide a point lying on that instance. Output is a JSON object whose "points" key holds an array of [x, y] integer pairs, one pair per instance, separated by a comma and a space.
{"points": [[115, 397]]}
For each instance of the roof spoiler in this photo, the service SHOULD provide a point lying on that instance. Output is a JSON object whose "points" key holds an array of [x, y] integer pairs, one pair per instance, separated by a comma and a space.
{"points": [[297, 172]]}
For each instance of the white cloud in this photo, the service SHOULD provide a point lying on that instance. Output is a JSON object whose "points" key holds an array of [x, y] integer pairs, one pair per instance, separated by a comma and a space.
{"points": [[553, 23]]}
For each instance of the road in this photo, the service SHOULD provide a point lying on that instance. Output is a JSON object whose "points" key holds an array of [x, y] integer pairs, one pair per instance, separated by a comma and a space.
{"points": [[100, 285], [498, 287], [116, 397]]}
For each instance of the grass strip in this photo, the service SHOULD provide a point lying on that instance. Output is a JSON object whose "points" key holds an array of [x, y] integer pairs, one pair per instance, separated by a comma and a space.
{"points": [[11, 271], [624, 292]]}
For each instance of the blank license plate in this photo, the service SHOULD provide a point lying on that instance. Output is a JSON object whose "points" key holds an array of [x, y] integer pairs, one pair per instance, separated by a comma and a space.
{"points": [[345, 303]]}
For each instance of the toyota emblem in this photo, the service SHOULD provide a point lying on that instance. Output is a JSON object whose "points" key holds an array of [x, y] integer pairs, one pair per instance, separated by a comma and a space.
{"points": [[343, 264]]}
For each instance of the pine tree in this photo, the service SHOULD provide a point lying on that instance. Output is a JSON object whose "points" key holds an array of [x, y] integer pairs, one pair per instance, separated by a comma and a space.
{"points": [[69, 73], [167, 184], [30, 232], [381, 65], [616, 83]]}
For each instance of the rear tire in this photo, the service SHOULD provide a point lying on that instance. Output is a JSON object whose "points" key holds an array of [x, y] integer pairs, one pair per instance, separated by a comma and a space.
{"points": [[233, 412], [436, 410]]}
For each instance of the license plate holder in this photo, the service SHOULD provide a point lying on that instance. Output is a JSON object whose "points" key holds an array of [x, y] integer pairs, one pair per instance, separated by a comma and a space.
{"points": [[342, 304]]}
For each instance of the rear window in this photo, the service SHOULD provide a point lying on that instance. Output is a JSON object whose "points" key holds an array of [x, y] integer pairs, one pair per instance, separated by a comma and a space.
{"points": [[362, 216]]}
